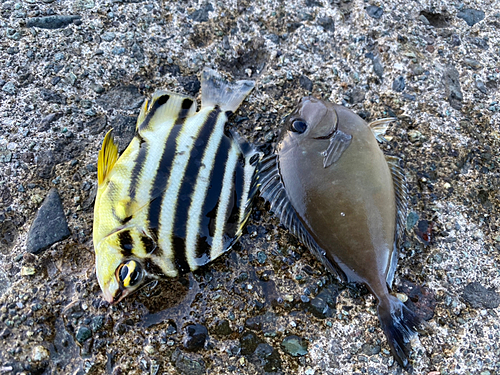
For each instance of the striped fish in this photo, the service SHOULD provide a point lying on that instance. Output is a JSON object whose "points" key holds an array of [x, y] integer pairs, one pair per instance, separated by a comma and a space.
{"points": [[179, 195]]}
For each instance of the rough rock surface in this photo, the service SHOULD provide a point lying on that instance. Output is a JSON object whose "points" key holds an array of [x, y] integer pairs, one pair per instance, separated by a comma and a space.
{"points": [[73, 69]]}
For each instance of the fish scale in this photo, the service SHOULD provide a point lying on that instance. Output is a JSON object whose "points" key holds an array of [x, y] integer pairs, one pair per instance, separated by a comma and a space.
{"points": [[179, 195]]}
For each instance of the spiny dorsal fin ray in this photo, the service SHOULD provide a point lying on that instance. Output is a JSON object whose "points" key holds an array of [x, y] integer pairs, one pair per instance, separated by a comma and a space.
{"points": [[108, 154], [380, 126], [273, 191], [164, 105], [215, 90]]}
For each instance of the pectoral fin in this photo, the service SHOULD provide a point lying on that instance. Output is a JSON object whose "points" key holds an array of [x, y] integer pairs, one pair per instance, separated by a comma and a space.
{"points": [[339, 142], [108, 154]]}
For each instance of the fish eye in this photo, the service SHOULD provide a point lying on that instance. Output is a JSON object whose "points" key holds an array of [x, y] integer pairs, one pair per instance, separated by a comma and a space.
{"points": [[298, 126], [129, 273]]}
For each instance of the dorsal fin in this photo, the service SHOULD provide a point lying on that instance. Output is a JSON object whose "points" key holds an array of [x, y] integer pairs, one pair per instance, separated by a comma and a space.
{"points": [[380, 126], [401, 193], [272, 190], [164, 105], [215, 90], [108, 154]]}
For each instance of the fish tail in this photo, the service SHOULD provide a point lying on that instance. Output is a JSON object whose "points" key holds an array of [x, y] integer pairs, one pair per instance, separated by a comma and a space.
{"points": [[400, 325], [215, 90]]}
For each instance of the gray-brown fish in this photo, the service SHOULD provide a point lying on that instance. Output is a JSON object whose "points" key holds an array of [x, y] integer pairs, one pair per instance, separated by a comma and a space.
{"points": [[332, 187]]}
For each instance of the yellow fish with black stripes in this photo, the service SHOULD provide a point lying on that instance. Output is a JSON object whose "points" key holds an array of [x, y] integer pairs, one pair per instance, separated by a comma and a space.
{"points": [[179, 195]]}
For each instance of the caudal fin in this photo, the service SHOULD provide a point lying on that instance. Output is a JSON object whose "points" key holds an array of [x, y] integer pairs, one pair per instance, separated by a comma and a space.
{"points": [[215, 90], [400, 325]]}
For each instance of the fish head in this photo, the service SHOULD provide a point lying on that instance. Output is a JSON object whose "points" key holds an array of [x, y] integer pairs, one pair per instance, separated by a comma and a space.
{"points": [[118, 275], [313, 119]]}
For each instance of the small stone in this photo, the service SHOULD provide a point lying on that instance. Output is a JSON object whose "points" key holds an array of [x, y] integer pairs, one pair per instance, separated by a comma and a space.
{"points": [[370, 350], [201, 15], [398, 84], [472, 63], [40, 353], [188, 363], [480, 297], [306, 83], [121, 97], [195, 337], [248, 343], [374, 11], [118, 51], [49, 225], [267, 357], [9, 88], [322, 305], [83, 334], [222, 328], [51, 22], [378, 68], [97, 88], [481, 86], [451, 79], [97, 323], [150, 349], [261, 257], [414, 135], [190, 83], [327, 23], [108, 36], [295, 346], [471, 16], [27, 270], [357, 95]]}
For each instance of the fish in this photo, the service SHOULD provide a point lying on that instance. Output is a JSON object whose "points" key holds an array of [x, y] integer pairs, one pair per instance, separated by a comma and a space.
{"points": [[331, 185], [179, 195]]}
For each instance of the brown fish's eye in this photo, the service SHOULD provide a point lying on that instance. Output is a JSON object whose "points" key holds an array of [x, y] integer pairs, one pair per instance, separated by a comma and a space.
{"points": [[299, 126], [129, 273]]}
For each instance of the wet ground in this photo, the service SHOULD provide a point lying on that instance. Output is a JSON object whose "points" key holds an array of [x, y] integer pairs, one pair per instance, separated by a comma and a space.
{"points": [[71, 70]]}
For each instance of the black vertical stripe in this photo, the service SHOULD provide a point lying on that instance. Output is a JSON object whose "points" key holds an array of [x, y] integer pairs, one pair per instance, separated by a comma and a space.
{"points": [[185, 107], [188, 184], [233, 220], [157, 104], [211, 202], [138, 165], [161, 178], [126, 243]]}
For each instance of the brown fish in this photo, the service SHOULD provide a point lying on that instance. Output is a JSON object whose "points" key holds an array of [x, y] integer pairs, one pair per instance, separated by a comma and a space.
{"points": [[332, 187]]}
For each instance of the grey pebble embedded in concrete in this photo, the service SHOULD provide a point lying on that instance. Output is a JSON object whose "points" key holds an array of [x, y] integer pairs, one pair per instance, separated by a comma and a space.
{"points": [[49, 225]]}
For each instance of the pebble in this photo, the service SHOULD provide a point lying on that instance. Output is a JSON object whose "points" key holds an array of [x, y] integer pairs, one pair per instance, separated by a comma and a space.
{"points": [[267, 357], [49, 225], [481, 86], [9, 88], [327, 23], [222, 328], [121, 97], [295, 346], [414, 135], [195, 337], [188, 363], [411, 220], [451, 79], [398, 84], [479, 297], [472, 63], [248, 343], [51, 22], [374, 11], [108, 36], [190, 83], [83, 334], [370, 350], [305, 83], [471, 16], [322, 305], [201, 15], [40, 353]]}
